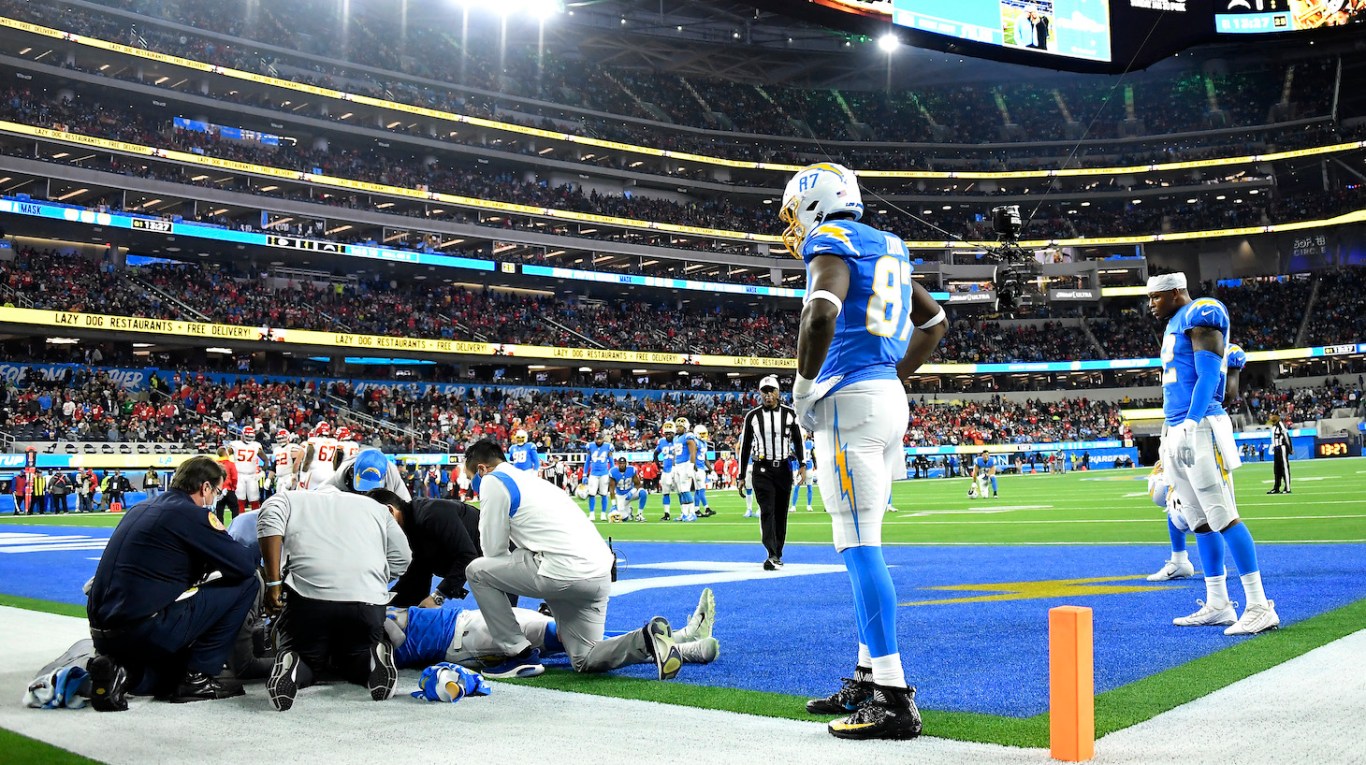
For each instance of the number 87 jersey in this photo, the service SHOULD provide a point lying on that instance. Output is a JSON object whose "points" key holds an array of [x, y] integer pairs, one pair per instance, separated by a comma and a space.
{"points": [[874, 326]]}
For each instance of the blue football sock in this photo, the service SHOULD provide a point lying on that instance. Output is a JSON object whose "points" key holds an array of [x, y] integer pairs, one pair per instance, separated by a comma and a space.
{"points": [[1241, 547], [552, 639], [993, 484], [665, 500], [592, 503], [808, 495], [1178, 536], [644, 497], [1211, 547], [795, 491], [873, 585], [702, 497]]}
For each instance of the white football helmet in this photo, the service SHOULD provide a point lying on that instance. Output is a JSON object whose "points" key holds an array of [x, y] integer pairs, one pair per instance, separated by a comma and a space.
{"points": [[701, 431], [248, 433], [519, 437], [668, 426], [814, 194], [682, 424]]}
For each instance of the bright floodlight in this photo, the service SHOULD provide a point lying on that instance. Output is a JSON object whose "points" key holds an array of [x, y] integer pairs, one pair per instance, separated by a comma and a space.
{"points": [[888, 42], [537, 9]]}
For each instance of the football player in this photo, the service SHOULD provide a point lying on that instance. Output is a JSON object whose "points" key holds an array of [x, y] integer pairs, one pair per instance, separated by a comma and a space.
{"points": [[984, 474], [865, 327], [599, 464], [286, 455], [1178, 566], [664, 455], [424, 636], [624, 484], [246, 457], [685, 461], [319, 451], [701, 472], [804, 475], [348, 444], [1199, 453], [523, 455]]}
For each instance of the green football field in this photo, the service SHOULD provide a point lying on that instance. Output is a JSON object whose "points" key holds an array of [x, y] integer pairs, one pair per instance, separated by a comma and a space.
{"points": [[1099, 507], [1103, 507]]}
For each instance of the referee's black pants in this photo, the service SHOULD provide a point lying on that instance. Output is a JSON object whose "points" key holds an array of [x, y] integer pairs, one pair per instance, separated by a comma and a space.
{"points": [[772, 488], [1282, 468]]}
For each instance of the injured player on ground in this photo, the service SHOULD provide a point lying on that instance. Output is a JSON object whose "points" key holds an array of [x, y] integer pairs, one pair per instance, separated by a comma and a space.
{"points": [[426, 636]]}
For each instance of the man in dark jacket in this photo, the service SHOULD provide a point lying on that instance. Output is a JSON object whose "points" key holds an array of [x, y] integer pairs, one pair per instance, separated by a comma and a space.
{"points": [[444, 537], [169, 595]]}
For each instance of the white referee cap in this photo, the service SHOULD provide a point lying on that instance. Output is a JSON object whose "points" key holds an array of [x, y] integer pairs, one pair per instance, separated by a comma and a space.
{"points": [[770, 381]]}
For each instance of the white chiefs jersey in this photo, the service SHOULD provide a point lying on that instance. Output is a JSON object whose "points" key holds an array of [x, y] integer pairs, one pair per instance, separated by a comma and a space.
{"points": [[244, 456], [349, 449], [320, 469], [286, 457]]}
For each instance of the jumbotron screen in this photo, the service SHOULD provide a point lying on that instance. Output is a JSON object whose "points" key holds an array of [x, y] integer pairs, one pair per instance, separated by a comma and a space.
{"points": [[1072, 28], [1272, 16]]}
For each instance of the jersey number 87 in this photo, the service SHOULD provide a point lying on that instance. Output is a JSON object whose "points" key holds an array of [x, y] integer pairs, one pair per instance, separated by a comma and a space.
{"points": [[888, 312]]}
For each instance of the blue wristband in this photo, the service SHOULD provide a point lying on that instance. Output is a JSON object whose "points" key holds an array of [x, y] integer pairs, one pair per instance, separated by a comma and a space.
{"points": [[1208, 365]]}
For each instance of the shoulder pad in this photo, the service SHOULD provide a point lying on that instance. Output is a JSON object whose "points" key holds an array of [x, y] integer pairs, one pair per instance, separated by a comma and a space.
{"points": [[834, 238], [1206, 312]]}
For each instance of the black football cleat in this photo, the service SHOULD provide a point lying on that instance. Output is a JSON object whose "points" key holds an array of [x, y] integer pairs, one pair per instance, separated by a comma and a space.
{"points": [[890, 714], [197, 686], [108, 684], [855, 692]]}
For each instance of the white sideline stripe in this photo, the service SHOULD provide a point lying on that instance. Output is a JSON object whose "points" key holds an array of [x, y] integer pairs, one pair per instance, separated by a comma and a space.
{"points": [[1310, 724], [1124, 520]]}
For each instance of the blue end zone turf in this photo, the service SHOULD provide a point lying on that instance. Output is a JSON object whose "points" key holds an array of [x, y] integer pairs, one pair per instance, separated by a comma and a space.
{"points": [[793, 632]]}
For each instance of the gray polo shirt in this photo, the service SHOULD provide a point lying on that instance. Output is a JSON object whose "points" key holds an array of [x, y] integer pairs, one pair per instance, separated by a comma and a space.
{"points": [[337, 546]]}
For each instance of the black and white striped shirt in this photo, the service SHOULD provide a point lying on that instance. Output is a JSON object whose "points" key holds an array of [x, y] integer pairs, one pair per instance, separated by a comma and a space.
{"points": [[771, 435]]}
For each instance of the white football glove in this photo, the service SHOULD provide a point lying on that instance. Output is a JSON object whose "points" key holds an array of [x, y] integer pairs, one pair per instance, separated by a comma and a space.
{"points": [[1181, 442], [805, 394]]}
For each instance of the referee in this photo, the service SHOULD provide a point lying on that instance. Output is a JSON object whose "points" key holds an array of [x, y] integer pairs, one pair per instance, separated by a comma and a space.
{"points": [[770, 436], [1280, 450]]}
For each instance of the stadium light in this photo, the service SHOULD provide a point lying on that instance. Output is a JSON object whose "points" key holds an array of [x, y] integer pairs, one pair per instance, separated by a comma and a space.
{"points": [[888, 43], [537, 9]]}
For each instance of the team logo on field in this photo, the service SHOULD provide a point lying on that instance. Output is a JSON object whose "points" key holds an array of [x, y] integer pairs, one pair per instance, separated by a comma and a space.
{"points": [[1046, 589]]}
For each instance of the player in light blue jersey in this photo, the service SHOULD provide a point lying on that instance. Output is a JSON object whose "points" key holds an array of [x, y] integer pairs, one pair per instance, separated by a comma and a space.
{"points": [[983, 475], [598, 464], [702, 472], [425, 636], [1199, 453], [805, 474], [1178, 566], [523, 455], [858, 341], [686, 478], [625, 486], [664, 455]]}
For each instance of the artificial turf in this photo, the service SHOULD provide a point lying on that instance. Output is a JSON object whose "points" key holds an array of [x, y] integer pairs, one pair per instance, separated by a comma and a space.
{"points": [[1101, 507]]}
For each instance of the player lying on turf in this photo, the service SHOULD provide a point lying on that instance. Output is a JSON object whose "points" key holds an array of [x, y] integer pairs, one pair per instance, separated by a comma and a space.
{"points": [[1199, 453], [425, 636]]}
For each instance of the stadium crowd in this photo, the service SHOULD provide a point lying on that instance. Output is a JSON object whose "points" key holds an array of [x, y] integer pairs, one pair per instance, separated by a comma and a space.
{"points": [[371, 163], [189, 408], [1266, 315]]}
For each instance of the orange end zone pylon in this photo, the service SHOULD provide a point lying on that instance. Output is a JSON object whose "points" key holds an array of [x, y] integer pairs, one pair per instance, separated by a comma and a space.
{"points": [[1071, 684]]}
